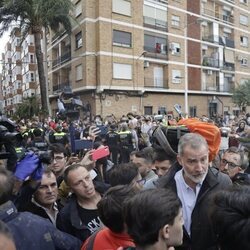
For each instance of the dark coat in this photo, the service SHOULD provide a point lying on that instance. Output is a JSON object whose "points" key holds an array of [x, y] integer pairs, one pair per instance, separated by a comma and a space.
{"points": [[33, 232], [202, 235]]}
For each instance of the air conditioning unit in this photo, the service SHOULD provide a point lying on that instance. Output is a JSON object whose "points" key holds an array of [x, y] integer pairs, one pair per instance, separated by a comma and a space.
{"points": [[239, 57], [146, 64], [171, 46]]}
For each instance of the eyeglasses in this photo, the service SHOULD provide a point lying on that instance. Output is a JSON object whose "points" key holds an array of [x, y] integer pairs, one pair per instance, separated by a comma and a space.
{"points": [[58, 158], [141, 181], [230, 164]]}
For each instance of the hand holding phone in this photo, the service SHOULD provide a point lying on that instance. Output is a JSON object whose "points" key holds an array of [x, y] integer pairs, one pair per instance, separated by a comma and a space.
{"points": [[100, 153]]}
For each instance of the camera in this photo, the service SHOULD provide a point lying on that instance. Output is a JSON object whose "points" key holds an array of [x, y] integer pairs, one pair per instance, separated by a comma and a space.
{"points": [[43, 155], [9, 139]]}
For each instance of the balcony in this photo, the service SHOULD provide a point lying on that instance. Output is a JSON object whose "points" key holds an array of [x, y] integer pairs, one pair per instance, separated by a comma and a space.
{"points": [[210, 62], [211, 39], [216, 87], [62, 59], [225, 18], [61, 87], [152, 52], [228, 66], [58, 35], [208, 12], [155, 23], [157, 83]]}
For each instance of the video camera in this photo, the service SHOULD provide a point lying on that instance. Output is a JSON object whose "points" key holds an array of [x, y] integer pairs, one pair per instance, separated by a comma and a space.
{"points": [[43, 155], [9, 138]]}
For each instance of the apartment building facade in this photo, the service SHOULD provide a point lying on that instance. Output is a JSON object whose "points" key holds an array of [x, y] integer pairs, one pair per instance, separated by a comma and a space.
{"points": [[146, 56], [18, 71]]}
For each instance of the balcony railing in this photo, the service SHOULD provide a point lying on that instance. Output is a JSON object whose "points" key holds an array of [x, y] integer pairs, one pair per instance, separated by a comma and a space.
{"points": [[62, 59], [213, 86], [152, 52], [219, 40], [213, 14], [61, 87], [228, 66], [157, 83], [210, 62], [208, 12], [155, 23]]}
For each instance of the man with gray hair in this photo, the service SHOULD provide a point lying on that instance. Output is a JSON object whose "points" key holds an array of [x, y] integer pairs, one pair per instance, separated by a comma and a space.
{"points": [[194, 182]]}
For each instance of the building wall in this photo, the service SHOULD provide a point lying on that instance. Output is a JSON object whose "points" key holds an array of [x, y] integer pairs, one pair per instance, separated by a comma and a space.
{"points": [[205, 81]]}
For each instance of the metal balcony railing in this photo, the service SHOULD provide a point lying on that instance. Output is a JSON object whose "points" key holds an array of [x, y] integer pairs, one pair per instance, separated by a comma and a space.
{"points": [[214, 86], [210, 62], [155, 23], [62, 59], [157, 83], [152, 52], [61, 87], [219, 40]]}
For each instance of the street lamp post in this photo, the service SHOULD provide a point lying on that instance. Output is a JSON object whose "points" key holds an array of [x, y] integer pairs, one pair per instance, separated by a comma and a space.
{"points": [[185, 72]]}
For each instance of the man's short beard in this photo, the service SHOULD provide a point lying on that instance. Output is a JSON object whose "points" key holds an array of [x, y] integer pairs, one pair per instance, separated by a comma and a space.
{"points": [[196, 179]]}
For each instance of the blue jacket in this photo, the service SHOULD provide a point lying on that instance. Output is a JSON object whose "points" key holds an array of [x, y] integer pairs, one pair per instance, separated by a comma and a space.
{"points": [[33, 232]]}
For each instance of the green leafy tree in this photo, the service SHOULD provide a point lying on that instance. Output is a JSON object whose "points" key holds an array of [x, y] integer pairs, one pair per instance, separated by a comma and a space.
{"points": [[241, 95], [33, 16], [28, 108]]}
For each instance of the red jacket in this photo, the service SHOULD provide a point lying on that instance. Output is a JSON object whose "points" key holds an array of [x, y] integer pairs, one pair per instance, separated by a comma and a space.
{"points": [[108, 240]]}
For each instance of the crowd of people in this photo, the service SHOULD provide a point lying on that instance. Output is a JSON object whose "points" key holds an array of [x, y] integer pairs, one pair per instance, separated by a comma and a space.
{"points": [[143, 194]]}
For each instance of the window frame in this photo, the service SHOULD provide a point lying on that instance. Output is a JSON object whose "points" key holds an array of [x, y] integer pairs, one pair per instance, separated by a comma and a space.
{"points": [[78, 40], [78, 77], [122, 44], [122, 77]]}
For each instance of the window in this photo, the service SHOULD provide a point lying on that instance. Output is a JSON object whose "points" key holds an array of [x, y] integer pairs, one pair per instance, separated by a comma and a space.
{"points": [[79, 72], [176, 76], [148, 110], [243, 20], [175, 48], [154, 16], [121, 38], [32, 78], [244, 62], [122, 71], [193, 111], [244, 41], [155, 44], [243, 1], [78, 9], [78, 39], [158, 77], [122, 7], [31, 59], [175, 21]]}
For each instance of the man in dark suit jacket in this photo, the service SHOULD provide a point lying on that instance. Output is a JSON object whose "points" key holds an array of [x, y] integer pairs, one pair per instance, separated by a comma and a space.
{"points": [[194, 181]]}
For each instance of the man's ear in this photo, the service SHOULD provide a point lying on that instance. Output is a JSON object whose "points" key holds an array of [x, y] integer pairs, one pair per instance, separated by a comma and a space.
{"points": [[179, 159], [165, 232]]}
